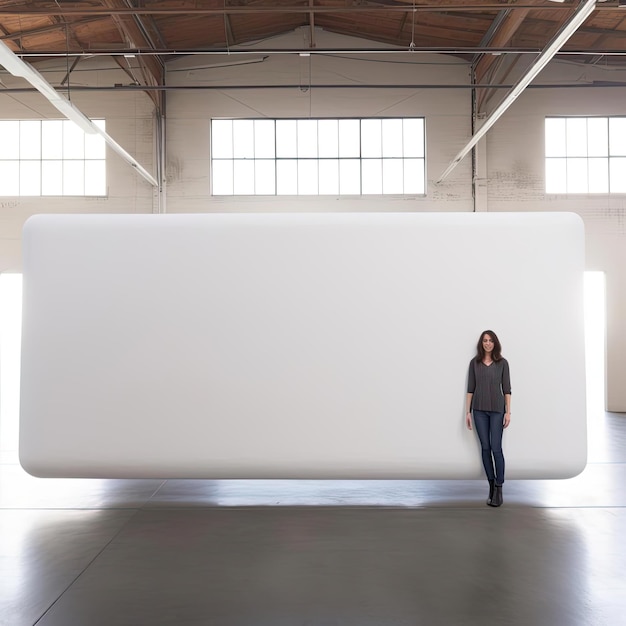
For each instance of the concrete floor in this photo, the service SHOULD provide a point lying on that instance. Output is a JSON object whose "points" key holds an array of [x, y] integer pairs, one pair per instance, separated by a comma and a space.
{"points": [[327, 553]]}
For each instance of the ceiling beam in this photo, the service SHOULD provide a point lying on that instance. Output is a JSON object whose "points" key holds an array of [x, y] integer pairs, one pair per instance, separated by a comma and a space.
{"points": [[340, 7], [596, 84], [454, 50], [5, 34], [487, 66], [311, 24], [45, 29], [133, 33], [230, 35], [500, 39]]}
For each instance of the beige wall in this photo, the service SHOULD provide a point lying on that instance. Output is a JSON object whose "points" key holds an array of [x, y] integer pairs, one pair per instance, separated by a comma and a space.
{"points": [[510, 158]]}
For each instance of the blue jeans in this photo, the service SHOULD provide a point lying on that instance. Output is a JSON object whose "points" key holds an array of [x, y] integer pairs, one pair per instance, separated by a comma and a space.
{"points": [[489, 426]]}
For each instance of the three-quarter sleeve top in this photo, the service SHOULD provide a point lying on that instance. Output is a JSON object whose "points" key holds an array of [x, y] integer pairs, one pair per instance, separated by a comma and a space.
{"points": [[489, 384]]}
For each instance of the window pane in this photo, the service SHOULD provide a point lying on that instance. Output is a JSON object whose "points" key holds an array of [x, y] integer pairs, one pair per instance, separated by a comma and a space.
{"points": [[618, 175], [95, 178], [349, 177], [10, 144], [222, 139], [393, 175], [286, 145], [30, 178], [556, 176], [30, 140], [307, 139], [73, 141], [300, 157], [617, 135], [372, 176], [598, 175], [328, 133], [307, 178], [349, 138], [414, 176], [243, 144], [329, 177], [265, 177], [52, 139], [598, 136], [9, 178], [73, 178], [371, 138], [392, 138], [222, 178], [264, 139], [42, 167], [52, 178], [577, 176], [555, 137], [95, 147], [413, 137], [287, 178], [576, 129], [243, 175]]}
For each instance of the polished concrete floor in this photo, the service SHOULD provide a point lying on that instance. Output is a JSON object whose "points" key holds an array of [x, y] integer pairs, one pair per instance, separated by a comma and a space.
{"points": [[317, 553]]}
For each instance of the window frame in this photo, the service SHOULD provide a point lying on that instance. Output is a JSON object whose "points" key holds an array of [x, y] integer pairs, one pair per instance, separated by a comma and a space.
{"points": [[52, 158], [581, 166], [298, 170]]}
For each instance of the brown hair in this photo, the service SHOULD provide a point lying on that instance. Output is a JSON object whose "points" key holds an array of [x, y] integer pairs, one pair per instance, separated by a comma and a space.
{"points": [[497, 348]]}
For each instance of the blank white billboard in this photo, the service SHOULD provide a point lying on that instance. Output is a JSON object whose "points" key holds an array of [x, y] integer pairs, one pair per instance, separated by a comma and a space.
{"points": [[297, 345]]}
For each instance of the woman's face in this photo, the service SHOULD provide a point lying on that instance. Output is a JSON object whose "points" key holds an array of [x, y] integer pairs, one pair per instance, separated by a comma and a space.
{"points": [[487, 343]]}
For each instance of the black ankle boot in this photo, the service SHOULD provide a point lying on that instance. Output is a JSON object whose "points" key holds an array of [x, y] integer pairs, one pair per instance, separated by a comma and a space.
{"points": [[497, 496], [492, 486]]}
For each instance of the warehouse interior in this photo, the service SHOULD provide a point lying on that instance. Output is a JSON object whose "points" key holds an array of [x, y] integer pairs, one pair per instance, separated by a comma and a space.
{"points": [[484, 77]]}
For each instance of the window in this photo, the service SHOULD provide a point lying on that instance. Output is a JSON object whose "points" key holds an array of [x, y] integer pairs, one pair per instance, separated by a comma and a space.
{"points": [[51, 158], [318, 157], [586, 155]]}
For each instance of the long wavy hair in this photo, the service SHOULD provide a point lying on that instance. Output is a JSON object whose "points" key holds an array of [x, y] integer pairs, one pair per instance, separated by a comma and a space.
{"points": [[496, 355]]}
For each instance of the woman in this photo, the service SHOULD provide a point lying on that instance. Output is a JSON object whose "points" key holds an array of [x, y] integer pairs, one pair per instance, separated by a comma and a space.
{"points": [[489, 397]]}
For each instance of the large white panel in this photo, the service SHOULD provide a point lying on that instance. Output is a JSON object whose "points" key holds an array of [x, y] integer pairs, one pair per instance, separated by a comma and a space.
{"points": [[297, 345]]}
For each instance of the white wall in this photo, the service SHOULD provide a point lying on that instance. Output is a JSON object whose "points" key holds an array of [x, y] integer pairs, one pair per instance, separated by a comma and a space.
{"points": [[510, 157], [332, 339]]}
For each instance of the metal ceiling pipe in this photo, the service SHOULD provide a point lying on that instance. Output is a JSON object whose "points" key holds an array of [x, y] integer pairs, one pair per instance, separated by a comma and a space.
{"points": [[27, 11], [456, 50], [213, 87]]}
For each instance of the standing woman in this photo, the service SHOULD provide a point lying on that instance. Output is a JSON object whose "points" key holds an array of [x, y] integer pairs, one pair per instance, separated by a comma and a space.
{"points": [[489, 397]]}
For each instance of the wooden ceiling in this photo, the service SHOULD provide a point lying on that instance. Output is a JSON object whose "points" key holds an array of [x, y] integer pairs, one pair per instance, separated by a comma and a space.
{"points": [[157, 31]]}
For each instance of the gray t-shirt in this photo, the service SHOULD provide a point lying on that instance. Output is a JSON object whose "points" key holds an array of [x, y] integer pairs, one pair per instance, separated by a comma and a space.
{"points": [[489, 384]]}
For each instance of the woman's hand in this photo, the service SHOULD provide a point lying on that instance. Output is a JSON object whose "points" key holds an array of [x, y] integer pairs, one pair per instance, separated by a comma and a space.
{"points": [[507, 419], [468, 420]]}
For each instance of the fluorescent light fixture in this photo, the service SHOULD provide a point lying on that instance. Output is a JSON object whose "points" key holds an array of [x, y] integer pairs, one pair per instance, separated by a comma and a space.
{"points": [[21, 69], [127, 156], [17, 67], [582, 13]]}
